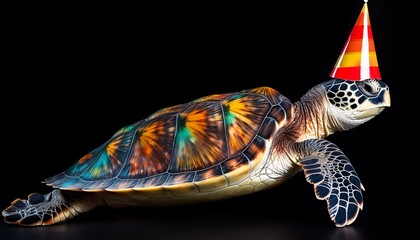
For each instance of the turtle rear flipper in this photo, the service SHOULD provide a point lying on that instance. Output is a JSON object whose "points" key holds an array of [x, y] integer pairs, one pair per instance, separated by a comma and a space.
{"points": [[334, 179], [47, 209]]}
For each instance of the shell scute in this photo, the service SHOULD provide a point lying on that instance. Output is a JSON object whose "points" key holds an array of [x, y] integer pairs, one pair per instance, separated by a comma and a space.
{"points": [[151, 148], [157, 180], [243, 116], [208, 173], [256, 147], [197, 126], [178, 178], [235, 163], [122, 184], [268, 128]]}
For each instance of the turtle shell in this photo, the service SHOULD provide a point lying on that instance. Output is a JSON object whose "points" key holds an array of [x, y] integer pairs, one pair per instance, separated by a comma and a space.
{"points": [[210, 137]]}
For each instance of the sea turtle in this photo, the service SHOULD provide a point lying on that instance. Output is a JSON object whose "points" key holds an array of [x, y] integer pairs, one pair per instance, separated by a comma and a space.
{"points": [[217, 147]]}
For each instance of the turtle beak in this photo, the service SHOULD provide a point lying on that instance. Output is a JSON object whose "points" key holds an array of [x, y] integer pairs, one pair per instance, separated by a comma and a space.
{"points": [[369, 112], [369, 109], [387, 99]]}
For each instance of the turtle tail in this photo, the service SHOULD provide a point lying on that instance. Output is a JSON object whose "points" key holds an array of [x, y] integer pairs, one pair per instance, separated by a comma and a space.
{"points": [[54, 207]]}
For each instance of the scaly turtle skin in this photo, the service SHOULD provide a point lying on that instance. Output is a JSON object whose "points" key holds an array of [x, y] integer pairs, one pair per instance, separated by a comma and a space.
{"points": [[217, 147]]}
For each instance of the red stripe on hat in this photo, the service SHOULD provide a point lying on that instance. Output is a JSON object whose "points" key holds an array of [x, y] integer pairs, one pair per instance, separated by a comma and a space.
{"points": [[353, 73], [357, 32]]}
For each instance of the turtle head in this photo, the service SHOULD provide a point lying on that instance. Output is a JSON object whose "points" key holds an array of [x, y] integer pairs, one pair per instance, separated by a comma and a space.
{"points": [[356, 102]]}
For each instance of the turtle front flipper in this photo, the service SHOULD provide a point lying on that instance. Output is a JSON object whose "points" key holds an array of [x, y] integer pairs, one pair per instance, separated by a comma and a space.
{"points": [[48, 209], [334, 179]]}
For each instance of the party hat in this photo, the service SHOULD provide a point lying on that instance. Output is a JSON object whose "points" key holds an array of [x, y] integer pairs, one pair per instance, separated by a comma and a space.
{"points": [[358, 59]]}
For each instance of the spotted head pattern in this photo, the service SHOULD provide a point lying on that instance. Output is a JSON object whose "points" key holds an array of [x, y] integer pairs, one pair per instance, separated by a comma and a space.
{"points": [[349, 95]]}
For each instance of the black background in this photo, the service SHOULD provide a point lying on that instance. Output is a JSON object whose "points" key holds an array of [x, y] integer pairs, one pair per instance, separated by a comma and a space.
{"points": [[73, 75]]}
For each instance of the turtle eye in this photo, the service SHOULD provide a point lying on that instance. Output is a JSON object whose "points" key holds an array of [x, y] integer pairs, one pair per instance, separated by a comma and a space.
{"points": [[369, 87]]}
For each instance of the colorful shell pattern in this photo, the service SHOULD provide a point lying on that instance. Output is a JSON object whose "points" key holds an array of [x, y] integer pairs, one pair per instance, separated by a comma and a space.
{"points": [[186, 143]]}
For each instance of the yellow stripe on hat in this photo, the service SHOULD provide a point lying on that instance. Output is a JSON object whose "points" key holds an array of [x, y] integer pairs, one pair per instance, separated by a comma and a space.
{"points": [[353, 59]]}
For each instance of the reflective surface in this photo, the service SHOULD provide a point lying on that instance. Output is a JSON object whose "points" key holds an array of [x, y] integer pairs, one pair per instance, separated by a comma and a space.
{"points": [[288, 212]]}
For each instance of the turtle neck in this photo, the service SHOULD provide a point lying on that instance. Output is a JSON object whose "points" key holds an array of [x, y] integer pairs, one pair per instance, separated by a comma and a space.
{"points": [[311, 115]]}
